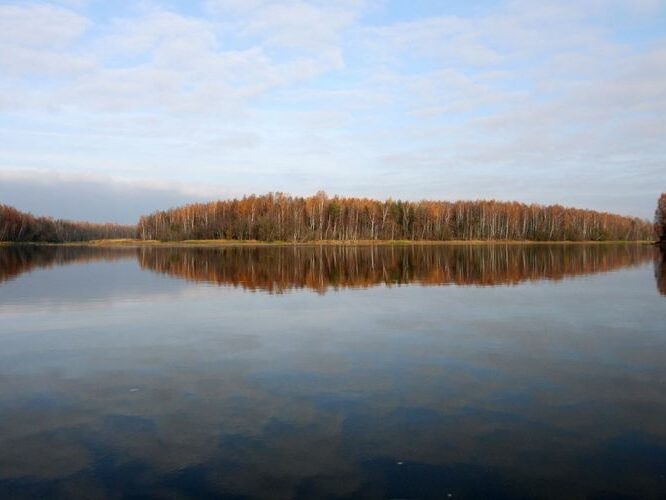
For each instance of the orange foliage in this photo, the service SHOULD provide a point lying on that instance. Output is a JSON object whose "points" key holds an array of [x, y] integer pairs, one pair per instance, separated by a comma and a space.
{"points": [[23, 227], [276, 216]]}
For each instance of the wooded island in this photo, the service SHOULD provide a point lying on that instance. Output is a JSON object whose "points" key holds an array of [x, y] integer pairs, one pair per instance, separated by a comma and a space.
{"points": [[279, 217]]}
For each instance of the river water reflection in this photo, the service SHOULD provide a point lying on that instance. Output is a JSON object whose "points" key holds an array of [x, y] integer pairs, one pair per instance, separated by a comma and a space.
{"points": [[421, 371]]}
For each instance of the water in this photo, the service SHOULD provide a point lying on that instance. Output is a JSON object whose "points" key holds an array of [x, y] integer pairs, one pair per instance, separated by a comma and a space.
{"points": [[335, 372]]}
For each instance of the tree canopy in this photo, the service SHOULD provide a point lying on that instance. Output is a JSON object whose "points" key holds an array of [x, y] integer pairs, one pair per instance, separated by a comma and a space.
{"points": [[276, 216], [660, 218], [24, 227]]}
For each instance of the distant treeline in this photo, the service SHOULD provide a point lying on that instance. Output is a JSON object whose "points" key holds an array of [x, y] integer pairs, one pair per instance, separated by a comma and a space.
{"points": [[279, 217], [24, 227]]}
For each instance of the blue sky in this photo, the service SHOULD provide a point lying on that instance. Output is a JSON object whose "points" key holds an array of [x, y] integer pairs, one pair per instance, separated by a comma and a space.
{"points": [[113, 109]]}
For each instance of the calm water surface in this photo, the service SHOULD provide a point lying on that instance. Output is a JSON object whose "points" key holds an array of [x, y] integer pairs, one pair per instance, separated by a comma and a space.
{"points": [[387, 372]]}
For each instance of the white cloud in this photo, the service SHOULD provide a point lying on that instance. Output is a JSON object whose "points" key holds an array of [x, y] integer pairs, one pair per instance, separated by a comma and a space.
{"points": [[27, 61], [39, 25], [38, 40], [162, 60], [299, 95], [301, 25]]}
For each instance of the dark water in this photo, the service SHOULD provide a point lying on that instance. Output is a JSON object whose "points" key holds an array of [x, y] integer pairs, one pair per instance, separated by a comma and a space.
{"points": [[393, 372]]}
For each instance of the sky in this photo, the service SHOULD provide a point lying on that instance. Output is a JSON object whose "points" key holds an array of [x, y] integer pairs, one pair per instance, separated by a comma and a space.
{"points": [[113, 109]]}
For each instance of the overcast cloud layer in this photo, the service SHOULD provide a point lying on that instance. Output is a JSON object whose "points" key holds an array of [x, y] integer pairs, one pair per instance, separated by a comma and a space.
{"points": [[113, 109]]}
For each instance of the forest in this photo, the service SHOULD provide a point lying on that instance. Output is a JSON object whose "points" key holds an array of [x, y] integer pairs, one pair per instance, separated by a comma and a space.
{"points": [[280, 217], [660, 219], [24, 227]]}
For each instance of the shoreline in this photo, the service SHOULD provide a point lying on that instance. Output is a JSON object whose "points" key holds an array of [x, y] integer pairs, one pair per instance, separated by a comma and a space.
{"points": [[125, 243]]}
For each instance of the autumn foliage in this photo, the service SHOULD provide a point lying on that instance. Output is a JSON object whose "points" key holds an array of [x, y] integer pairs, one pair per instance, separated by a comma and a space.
{"points": [[24, 227], [276, 216]]}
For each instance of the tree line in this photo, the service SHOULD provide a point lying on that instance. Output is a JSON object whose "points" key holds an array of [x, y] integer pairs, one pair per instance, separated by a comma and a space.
{"points": [[24, 227], [280, 217], [660, 219]]}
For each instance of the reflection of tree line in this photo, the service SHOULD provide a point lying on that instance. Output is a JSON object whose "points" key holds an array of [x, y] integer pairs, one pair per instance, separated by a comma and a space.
{"points": [[320, 268], [660, 270], [16, 260]]}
